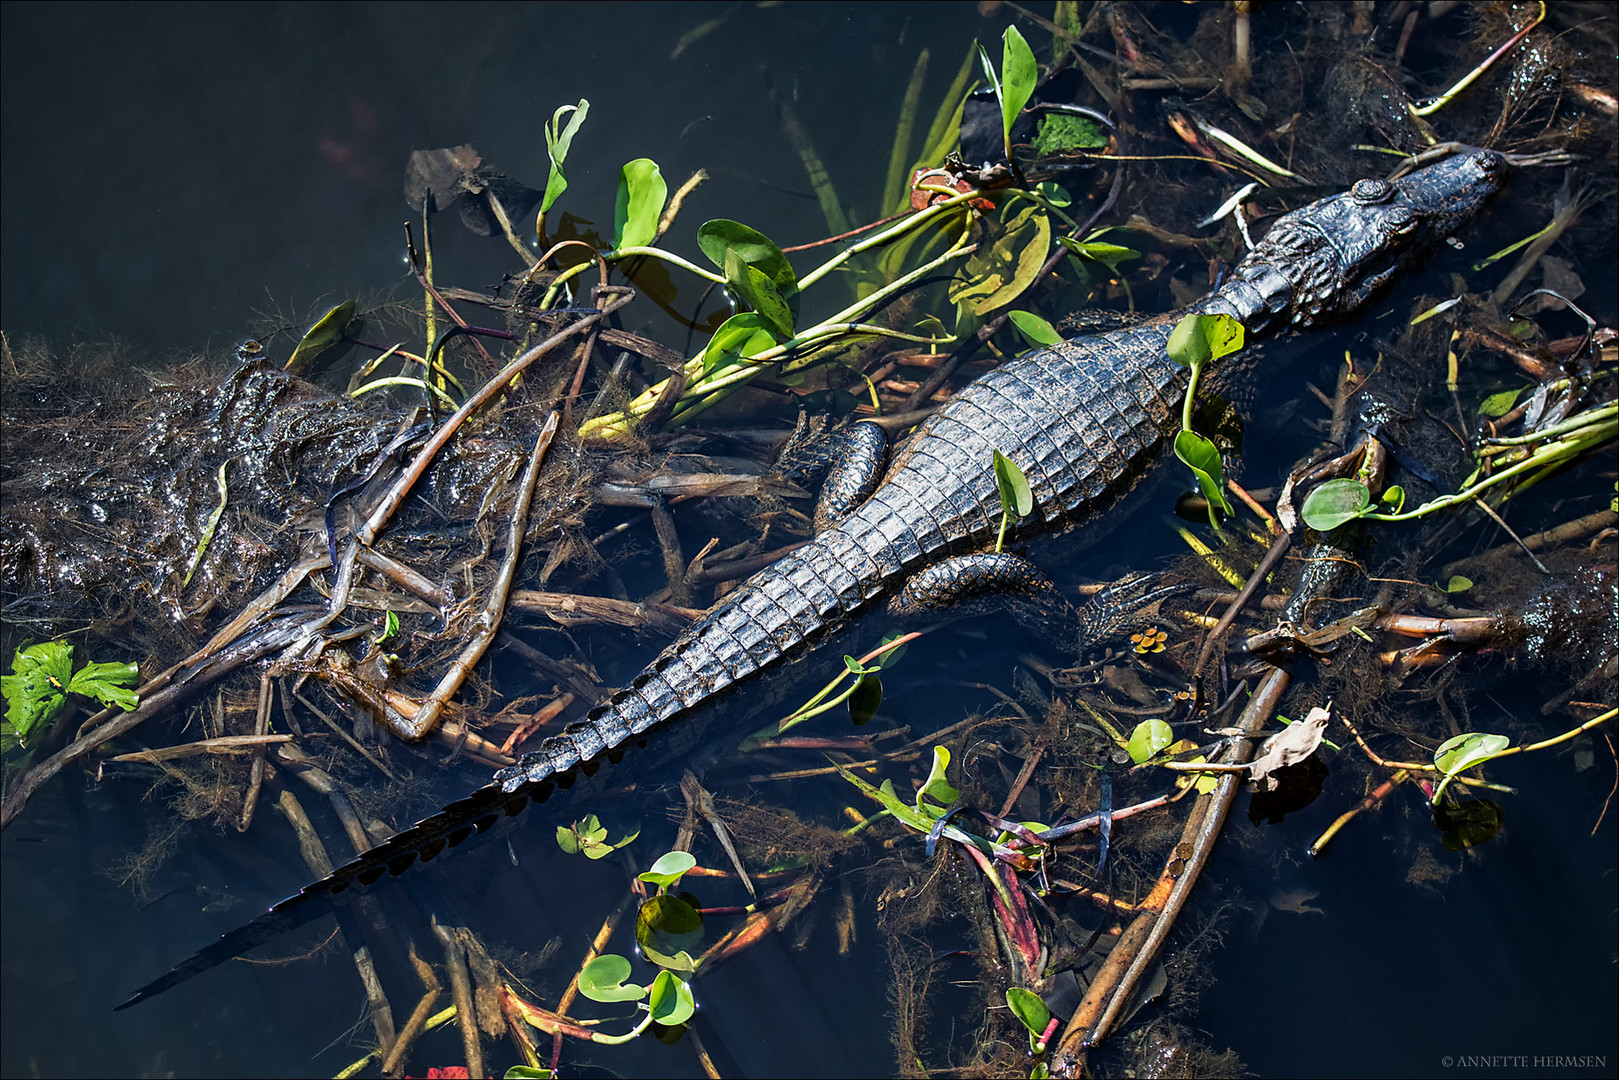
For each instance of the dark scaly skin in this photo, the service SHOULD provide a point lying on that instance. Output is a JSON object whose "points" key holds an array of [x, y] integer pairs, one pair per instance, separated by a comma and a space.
{"points": [[1084, 420]]}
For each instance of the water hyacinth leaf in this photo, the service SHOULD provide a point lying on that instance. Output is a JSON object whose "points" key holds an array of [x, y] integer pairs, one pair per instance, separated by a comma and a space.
{"points": [[1033, 329], [866, 699], [669, 867], [717, 237], [671, 999], [937, 788], [1027, 1006], [1019, 73], [558, 138], [603, 980], [758, 292], [666, 929], [1198, 339], [1016, 497], [327, 332], [641, 195], [1203, 458], [1149, 737], [107, 683], [1394, 498], [742, 336], [1331, 504]]}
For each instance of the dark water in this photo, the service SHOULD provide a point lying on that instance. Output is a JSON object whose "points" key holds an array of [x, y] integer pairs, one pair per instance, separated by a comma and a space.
{"points": [[177, 177]]}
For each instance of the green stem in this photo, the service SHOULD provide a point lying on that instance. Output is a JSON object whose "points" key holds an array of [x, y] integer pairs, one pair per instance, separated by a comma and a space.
{"points": [[667, 256], [1191, 395]]}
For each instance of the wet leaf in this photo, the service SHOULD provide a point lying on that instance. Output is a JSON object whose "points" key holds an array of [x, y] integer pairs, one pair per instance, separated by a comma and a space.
{"points": [[1027, 1006], [1019, 73], [1013, 486], [998, 273], [641, 194], [866, 699], [1462, 752], [36, 689], [1199, 339], [892, 656], [603, 980], [107, 683], [1287, 747], [1498, 404], [744, 335], [669, 868], [1203, 458], [558, 138], [1393, 497], [527, 1072], [758, 292], [327, 332], [1033, 329], [1149, 737], [1331, 504], [1109, 255], [1055, 194], [717, 237], [671, 999], [667, 928], [1468, 823], [937, 788]]}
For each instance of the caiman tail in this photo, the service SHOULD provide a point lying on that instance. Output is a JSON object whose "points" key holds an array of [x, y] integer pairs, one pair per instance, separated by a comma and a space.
{"points": [[1083, 419]]}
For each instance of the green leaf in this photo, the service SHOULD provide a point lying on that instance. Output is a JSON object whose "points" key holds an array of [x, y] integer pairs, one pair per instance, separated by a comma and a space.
{"points": [[1019, 73], [744, 335], [107, 683], [671, 999], [1331, 504], [641, 193], [390, 627], [1149, 737], [1033, 329], [1458, 583], [36, 690], [1498, 404], [327, 331], [1394, 496], [937, 788], [866, 699], [1109, 255], [1055, 194], [999, 272], [1468, 822], [1203, 458], [1198, 339], [558, 138], [603, 980], [1013, 486], [1027, 1006], [527, 1072], [758, 292], [1462, 752], [892, 656], [717, 237], [666, 928], [669, 868]]}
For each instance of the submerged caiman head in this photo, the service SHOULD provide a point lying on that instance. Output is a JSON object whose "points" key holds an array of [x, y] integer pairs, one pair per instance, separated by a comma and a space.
{"points": [[1334, 254]]}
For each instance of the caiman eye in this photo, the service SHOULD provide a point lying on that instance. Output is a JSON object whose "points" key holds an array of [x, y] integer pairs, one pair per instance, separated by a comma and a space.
{"points": [[1402, 223], [1371, 192]]}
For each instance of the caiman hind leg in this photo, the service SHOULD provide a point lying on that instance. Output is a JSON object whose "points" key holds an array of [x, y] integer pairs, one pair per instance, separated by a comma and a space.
{"points": [[859, 455], [999, 582]]}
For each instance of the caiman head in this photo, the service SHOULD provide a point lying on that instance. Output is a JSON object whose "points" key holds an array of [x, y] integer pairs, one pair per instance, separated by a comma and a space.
{"points": [[1334, 254]]}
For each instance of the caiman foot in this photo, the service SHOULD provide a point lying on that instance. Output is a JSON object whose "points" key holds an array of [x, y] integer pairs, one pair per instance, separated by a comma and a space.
{"points": [[981, 584], [859, 456], [1128, 604]]}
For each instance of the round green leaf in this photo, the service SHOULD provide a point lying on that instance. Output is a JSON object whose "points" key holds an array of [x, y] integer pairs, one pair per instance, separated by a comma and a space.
{"points": [[1198, 339], [739, 338], [759, 292], [1331, 504], [1149, 737], [667, 928], [671, 999], [603, 980], [721, 235], [1458, 583]]}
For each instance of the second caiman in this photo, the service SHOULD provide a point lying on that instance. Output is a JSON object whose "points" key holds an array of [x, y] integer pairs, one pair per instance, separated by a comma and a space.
{"points": [[1084, 420]]}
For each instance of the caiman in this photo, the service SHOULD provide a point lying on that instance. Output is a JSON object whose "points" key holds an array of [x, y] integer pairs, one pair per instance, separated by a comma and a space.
{"points": [[1084, 419]]}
